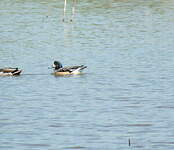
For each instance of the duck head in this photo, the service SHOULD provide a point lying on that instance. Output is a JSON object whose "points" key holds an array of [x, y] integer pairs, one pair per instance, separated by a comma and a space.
{"points": [[57, 65]]}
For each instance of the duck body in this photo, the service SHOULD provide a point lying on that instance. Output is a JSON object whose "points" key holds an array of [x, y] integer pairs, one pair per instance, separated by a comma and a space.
{"points": [[59, 70], [10, 72]]}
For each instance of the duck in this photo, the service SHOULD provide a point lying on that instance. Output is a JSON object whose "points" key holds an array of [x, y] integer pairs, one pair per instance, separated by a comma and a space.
{"points": [[59, 70], [10, 71]]}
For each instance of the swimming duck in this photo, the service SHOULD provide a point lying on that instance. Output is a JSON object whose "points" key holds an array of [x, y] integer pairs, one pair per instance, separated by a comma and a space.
{"points": [[60, 70], [10, 72]]}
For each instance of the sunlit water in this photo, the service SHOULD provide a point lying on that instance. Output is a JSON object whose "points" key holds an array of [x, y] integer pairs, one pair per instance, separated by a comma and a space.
{"points": [[125, 93]]}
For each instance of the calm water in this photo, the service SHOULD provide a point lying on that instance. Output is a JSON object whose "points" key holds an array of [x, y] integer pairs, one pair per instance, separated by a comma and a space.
{"points": [[125, 93]]}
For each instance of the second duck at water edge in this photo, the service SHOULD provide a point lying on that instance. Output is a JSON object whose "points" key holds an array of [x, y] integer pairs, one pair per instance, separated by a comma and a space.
{"points": [[10, 71]]}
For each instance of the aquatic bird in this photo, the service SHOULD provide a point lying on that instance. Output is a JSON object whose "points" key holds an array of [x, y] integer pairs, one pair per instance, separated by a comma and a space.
{"points": [[10, 72], [71, 70]]}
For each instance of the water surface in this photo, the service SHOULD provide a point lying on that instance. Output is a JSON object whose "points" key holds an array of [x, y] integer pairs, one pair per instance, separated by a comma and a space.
{"points": [[125, 93]]}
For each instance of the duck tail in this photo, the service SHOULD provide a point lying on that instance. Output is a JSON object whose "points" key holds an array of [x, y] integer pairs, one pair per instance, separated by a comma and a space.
{"points": [[82, 67], [17, 72], [79, 69]]}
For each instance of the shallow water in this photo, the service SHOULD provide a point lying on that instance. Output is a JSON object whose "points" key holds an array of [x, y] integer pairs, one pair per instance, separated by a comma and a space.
{"points": [[125, 93]]}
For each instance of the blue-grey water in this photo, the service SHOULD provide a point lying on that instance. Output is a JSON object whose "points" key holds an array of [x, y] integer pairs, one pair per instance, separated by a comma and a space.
{"points": [[127, 91]]}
